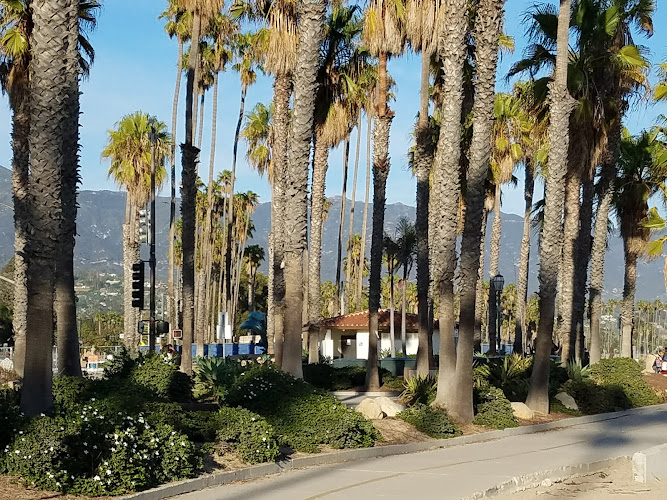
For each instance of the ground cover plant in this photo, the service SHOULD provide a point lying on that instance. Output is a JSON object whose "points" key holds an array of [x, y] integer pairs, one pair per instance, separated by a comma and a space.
{"points": [[429, 420]]}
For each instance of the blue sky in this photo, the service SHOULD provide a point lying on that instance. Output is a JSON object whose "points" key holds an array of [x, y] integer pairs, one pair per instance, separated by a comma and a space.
{"points": [[135, 69]]}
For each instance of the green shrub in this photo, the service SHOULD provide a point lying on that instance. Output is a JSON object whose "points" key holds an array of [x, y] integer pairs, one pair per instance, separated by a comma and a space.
{"points": [[199, 426], [625, 374], [494, 409], [392, 381], [430, 421], [511, 374], [70, 392], [250, 435], [120, 365], [576, 371], [419, 390], [216, 376], [592, 398], [162, 378], [86, 452], [303, 416], [10, 416], [555, 406], [330, 378]]}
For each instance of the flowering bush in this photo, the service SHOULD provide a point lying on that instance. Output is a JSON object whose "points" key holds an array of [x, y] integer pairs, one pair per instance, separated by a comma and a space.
{"points": [[303, 416], [249, 434], [93, 453], [162, 378], [10, 416]]}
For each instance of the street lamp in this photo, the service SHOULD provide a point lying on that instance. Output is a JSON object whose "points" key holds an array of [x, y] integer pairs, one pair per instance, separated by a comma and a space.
{"points": [[498, 283]]}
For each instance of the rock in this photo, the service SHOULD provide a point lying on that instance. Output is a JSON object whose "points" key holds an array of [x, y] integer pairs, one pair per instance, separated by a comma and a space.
{"points": [[522, 411], [370, 409], [567, 400], [648, 366], [389, 408], [546, 483]]}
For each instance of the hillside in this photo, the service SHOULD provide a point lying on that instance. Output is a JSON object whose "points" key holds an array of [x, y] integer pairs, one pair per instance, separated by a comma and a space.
{"points": [[101, 214]]}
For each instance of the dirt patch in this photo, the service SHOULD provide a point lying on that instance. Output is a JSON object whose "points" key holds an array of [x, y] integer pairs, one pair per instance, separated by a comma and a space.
{"points": [[658, 382], [11, 489], [397, 431]]}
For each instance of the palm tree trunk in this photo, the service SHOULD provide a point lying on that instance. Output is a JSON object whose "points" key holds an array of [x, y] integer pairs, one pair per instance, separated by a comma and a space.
{"points": [[320, 160], [496, 231], [281, 98], [20, 168], [173, 313], [311, 15], [599, 248], [189, 158], [364, 222], [628, 304], [392, 327], [480, 298], [487, 30], [52, 90], [129, 325], [201, 121], [380, 173], [443, 208], [566, 330], [403, 312], [582, 259], [423, 162], [520, 337], [343, 201], [550, 243], [350, 232]]}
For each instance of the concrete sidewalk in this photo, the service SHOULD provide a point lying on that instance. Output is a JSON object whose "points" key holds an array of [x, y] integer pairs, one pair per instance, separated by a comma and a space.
{"points": [[459, 471]]}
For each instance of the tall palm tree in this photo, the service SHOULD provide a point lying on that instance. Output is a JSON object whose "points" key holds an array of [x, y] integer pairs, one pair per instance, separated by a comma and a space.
{"points": [[535, 150], [642, 173], [16, 25], [254, 256], [425, 20], [384, 35], [129, 149], [406, 238], [52, 91], [391, 252], [178, 25], [258, 134], [561, 107], [280, 44], [443, 204], [311, 25], [486, 35], [200, 10]]}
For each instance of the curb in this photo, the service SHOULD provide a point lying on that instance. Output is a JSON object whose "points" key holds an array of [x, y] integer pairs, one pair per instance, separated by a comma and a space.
{"points": [[534, 480], [257, 471]]}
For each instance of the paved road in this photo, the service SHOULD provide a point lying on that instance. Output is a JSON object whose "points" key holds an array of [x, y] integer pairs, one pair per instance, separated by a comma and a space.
{"points": [[456, 472]]}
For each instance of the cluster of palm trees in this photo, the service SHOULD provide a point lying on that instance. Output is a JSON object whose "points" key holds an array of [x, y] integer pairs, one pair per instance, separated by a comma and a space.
{"points": [[329, 64]]}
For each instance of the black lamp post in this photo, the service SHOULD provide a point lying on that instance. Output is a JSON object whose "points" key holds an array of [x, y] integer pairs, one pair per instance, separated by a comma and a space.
{"points": [[498, 282]]}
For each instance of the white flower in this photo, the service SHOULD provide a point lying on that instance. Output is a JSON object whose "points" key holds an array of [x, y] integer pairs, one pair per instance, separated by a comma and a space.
{"points": [[108, 472], [96, 478], [51, 449]]}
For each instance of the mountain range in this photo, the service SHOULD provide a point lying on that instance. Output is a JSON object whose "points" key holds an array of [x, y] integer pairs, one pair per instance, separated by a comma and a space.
{"points": [[101, 215]]}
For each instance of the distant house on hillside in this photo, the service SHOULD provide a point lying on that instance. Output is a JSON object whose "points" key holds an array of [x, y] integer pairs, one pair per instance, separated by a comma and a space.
{"points": [[347, 336]]}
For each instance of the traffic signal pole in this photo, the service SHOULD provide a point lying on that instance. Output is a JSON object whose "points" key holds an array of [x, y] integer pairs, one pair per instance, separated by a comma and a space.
{"points": [[151, 260]]}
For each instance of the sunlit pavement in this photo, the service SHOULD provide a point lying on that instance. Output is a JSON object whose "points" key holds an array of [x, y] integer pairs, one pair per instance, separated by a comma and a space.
{"points": [[456, 472]]}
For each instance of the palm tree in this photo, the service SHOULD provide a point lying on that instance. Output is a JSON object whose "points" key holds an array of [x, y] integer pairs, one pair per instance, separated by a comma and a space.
{"points": [[129, 149], [443, 203], [333, 112], [391, 251], [311, 25], [423, 29], [254, 256], [561, 107], [16, 26], [258, 134], [201, 10], [178, 25], [53, 93], [384, 35], [642, 173], [534, 155], [406, 239], [280, 43], [486, 35]]}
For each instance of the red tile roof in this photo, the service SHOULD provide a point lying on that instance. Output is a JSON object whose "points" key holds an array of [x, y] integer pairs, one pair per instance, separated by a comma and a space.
{"points": [[359, 321]]}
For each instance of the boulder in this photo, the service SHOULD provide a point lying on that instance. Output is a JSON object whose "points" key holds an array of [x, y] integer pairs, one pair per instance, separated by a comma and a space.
{"points": [[370, 409], [522, 411], [649, 362], [567, 400], [389, 408]]}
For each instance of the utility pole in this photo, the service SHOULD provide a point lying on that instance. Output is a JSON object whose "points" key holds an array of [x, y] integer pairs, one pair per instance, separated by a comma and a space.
{"points": [[151, 259]]}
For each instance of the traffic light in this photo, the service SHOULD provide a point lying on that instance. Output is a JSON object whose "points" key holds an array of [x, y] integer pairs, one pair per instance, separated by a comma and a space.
{"points": [[143, 226], [138, 285], [162, 327]]}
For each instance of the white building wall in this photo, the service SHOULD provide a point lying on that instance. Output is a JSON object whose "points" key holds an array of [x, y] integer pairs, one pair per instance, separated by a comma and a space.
{"points": [[362, 345]]}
